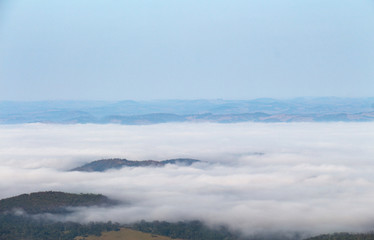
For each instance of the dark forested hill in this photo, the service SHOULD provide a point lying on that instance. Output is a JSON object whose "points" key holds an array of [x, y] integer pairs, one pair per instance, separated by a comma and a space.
{"points": [[52, 202], [116, 163], [14, 225]]}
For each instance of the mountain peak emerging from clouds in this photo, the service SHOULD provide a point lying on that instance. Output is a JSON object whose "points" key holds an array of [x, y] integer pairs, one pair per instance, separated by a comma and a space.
{"points": [[52, 202], [117, 163]]}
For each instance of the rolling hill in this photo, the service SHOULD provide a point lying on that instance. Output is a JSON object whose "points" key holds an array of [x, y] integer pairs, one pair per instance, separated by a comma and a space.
{"points": [[117, 163], [52, 202]]}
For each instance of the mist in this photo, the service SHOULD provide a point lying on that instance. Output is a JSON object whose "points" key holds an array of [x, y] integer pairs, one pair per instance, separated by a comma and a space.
{"points": [[256, 177]]}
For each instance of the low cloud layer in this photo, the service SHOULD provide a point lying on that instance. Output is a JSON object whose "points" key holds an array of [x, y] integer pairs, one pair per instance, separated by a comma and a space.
{"points": [[312, 177]]}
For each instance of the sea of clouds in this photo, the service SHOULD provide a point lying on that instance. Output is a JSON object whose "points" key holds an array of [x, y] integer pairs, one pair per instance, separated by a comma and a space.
{"points": [[256, 177]]}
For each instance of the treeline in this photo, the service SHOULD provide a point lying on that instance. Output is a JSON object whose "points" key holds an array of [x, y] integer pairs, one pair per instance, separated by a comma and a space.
{"points": [[27, 228], [344, 236], [186, 230], [197, 230], [52, 202]]}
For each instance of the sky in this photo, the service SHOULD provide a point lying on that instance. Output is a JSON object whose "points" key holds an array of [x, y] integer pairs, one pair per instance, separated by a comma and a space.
{"points": [[311, 177], [187, 49]]}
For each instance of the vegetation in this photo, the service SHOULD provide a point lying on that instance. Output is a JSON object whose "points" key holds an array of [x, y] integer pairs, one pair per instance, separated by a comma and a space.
{"points": [[344, 236], [125, 234], [18, 216], [116, 163], [52, 202], [186, 230], [28, 228]]}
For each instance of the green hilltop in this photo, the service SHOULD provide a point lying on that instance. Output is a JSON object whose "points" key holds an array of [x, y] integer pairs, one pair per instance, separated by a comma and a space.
{"points": [[52, 202]]}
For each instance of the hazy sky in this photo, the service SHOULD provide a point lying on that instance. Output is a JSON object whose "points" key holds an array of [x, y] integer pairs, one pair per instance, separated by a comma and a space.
{"points": [[157, 49]]}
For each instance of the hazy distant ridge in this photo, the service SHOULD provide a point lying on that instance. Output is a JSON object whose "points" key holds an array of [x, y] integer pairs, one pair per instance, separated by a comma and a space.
{"points": [[117, 163], [162, 111]]}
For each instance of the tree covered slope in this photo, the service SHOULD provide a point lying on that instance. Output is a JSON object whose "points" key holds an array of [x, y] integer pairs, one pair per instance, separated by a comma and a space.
{"points": [[116, 163], [52, 202]]}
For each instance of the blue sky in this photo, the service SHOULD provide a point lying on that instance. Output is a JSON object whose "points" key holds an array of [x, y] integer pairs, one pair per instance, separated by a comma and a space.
{"points": [[186, 49]]}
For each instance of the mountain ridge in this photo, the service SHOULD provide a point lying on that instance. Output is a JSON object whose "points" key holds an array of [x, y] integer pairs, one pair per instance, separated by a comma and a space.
{"points": [[52, 202], [118, 163]]}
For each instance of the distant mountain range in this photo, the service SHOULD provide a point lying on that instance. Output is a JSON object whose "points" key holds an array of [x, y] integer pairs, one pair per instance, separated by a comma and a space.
{"points": [[117, 163], [162, 111]]}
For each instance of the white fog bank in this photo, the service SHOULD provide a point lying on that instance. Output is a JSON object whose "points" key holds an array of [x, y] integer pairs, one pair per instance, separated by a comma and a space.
{"points": [[314, 177]]}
